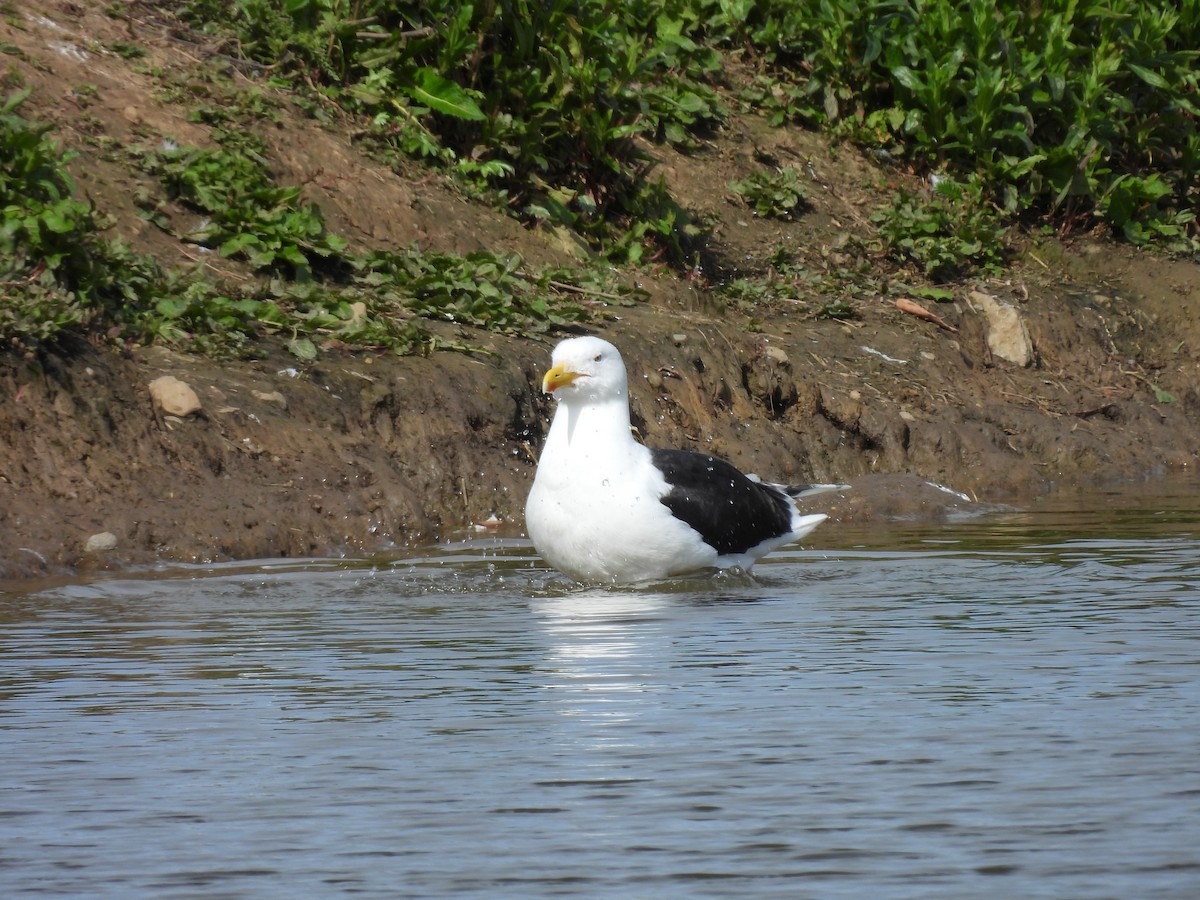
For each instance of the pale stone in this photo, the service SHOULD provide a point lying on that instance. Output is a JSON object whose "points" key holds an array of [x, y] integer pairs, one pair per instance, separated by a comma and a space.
{"points": [[101, 543], [174, 397], [775, 355], [271, 397], [1007, 336]]}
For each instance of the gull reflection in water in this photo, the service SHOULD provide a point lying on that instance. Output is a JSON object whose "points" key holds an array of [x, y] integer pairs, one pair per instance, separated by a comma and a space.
{"points": [[607, 656]]}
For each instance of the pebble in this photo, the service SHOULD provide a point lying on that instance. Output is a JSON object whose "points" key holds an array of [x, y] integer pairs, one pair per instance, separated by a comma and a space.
{"points": [[358, 314], [776, 355], [174, 397], [101, 543], [271, 397]]}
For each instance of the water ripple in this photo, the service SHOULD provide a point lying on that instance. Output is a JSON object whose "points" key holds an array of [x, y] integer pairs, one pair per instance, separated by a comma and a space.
{"points": [[973, 711]]}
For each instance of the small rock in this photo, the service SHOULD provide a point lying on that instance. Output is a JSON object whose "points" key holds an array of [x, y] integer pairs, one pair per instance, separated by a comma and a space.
{"points": [[101, 543], [174, 397], [271, 397], [775, 355], [679, 338], [1007, 336]]}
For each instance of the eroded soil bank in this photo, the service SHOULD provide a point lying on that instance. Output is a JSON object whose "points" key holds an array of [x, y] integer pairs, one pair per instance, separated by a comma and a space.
{"points": [[354, 453]]}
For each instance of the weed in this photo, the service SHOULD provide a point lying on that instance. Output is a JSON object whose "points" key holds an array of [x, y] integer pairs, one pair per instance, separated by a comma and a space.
{"points": [[777, 194], [47, 237], [838, 308], [126, 50], [949, 231], [781, 99], [756, 293], [1067, 108], [247, 214], [536, 104], [58, 274], [479, 289]]}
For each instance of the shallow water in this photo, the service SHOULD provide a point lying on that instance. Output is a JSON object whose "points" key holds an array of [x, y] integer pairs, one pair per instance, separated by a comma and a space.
{"points": [[1001, 706]]}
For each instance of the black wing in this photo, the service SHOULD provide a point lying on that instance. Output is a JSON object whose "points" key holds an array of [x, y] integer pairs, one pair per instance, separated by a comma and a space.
{"points": [[731, 512]]}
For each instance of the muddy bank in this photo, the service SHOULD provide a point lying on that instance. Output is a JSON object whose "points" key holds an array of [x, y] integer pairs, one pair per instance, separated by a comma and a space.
{"points": [[355, 453]]}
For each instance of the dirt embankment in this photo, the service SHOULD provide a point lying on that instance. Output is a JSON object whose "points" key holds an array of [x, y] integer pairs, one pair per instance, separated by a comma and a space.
{"points": [[355, 452]]}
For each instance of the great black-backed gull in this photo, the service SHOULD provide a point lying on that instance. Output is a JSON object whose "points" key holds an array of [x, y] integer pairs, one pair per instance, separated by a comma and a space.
{"points": [[605, 508]]}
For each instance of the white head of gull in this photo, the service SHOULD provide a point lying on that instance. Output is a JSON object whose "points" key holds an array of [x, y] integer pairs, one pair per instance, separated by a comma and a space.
{"points": [[604, 508]]}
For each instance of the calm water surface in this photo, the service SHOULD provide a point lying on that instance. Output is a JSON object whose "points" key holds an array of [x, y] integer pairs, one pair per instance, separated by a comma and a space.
{"points": [[1007, 706]]}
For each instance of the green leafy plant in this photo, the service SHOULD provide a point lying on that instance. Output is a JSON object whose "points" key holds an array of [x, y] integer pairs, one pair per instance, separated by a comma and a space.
{"points": [[248, 215], [777, 194], [1068, 108], [59, 274], [127, 50], [1071, 110], [839, 309], [51, 259], [781, 98], [949, 231], [537, 103], [480, 289]]}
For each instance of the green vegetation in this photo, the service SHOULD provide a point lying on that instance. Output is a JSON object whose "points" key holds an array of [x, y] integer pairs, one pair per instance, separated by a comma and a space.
{"points": [[1065, 114], [534, 103], [777, 194], [59, 273], [948, 232], [1074, 110], [247, 214], [55, 271], [826, 294]]}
